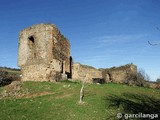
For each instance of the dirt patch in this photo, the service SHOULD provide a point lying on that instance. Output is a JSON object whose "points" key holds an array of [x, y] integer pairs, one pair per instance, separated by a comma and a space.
{"points": [[63, 96], [15, 90], [36, 94]]}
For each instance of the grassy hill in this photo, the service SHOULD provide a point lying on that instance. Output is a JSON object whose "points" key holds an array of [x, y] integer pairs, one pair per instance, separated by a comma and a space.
{"points": [[11, 71], [59, 101]]}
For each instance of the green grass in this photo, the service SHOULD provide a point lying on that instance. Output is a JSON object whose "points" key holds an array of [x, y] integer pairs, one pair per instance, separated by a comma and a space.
{"points": [[11, 72], [60, 101]]}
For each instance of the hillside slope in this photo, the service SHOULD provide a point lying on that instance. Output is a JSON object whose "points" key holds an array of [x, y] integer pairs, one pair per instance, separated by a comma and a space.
{"points": [[59, 101]]}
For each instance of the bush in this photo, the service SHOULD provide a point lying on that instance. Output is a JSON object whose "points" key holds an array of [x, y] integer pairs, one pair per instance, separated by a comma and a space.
{"points": [[139, 79], [158, 80], [6, 79]]}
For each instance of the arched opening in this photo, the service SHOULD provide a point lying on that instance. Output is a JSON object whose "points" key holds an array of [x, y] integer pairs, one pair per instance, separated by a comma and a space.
{"points": [[31, 42], [32, 47], [110, 77]]}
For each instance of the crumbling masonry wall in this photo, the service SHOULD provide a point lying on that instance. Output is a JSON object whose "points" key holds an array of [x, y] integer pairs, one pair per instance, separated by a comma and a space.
{"points": [[115, 74], [85, 73], [44, 54], [119, 74]]}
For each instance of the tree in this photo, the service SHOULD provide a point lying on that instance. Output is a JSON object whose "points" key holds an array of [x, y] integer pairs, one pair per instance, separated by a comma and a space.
{"points": [[4, 80], [3, 74], [143, 75], [138, 79], [158, 80]]}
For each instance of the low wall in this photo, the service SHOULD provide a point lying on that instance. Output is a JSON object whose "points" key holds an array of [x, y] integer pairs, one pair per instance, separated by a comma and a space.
{"points": [[115, 74], [85, 73], [119, 74]]}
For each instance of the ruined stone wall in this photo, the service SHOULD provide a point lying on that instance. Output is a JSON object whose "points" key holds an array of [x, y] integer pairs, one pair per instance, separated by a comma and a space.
{"points": [[61, 50], [33, 45], [119, 74], [43, 53], [114, 74], [85, 73]]}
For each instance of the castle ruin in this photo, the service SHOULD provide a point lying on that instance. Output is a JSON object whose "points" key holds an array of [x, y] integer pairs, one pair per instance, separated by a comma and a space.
{"points": [[44, 55], [115, 74]]}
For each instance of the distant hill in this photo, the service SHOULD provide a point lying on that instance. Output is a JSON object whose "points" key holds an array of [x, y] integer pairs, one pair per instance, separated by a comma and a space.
{"points": [[8, 68], [11, 71]]}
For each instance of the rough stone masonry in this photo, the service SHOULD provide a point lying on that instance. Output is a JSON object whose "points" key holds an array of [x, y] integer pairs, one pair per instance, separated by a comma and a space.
{"points": [[44, 55]]}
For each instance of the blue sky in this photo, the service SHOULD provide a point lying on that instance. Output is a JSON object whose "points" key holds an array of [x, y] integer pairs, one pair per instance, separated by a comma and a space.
{"points": [[103, 33]]}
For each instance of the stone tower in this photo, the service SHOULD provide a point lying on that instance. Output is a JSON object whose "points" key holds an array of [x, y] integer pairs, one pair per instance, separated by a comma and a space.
{"points": [[44, 54]]}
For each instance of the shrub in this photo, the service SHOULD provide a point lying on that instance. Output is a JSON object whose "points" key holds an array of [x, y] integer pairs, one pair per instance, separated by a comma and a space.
{"points": [[6, 79], [139, 79]]}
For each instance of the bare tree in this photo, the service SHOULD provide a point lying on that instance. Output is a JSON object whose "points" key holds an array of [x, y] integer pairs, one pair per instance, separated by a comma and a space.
{"points": [[138, 79], [143, 75]]}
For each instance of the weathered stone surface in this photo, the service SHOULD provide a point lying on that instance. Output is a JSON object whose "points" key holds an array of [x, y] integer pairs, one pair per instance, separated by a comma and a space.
{"points": [[43, 53], [85, 73], [116, 74], [12, 90], [119, 74]]}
